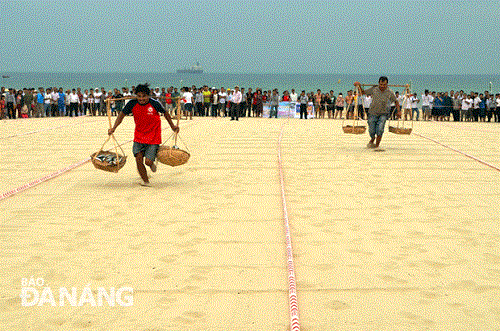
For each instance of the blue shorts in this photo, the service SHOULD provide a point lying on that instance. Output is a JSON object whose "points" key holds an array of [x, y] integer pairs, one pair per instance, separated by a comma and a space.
{"points": [[147, 150], [376, 124]]}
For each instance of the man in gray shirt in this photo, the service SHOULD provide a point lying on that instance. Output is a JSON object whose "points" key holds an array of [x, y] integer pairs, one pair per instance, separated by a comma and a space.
{"points": [[275, 102], [379, 111]]}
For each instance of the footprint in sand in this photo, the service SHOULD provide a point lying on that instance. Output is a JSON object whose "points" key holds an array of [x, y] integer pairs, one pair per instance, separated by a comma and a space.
{"points": [[83, 233], [168, 258], [166, 301], [195, 278], [189, 317], [88, 321], [390, 279], [11, 304], [416, 318], [429, 294], [436, 265], [492, 258], [98, 276], [185, 231], [160, 274], [337, 305], [55, 321], [191, 243]]}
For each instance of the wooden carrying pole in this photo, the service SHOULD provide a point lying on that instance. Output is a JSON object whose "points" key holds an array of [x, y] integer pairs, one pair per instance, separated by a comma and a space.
{"points": [[387, 85], [178, 121], [108, 110]]}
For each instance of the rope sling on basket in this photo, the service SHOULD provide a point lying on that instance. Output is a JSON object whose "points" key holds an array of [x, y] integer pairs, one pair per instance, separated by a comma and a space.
{"points": [[108, 160], [354, 128], [173, 155], [400, 124]]}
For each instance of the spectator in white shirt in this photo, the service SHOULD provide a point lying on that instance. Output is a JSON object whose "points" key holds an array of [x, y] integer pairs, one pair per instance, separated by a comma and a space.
{"points": [[74, 100], [187, 98], [466, 114], [235, 104], [426, 106], [222, 102], [47, 102], [414, 106], [97, 101]]}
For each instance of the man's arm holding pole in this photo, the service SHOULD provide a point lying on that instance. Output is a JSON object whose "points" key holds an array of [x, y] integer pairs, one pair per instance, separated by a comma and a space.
{"points": [[119, 119], [174, 127], [360, 88]]}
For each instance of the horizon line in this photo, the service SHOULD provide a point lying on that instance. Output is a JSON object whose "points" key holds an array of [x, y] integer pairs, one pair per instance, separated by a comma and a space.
{"points": [[248, 73]]}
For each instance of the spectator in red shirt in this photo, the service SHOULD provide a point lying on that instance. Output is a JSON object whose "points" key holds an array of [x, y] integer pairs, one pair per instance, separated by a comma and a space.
{"points": [[147, 135]]}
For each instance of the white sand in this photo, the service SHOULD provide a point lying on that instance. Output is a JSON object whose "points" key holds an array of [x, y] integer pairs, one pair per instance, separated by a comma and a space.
{"points": [[406, 239]]}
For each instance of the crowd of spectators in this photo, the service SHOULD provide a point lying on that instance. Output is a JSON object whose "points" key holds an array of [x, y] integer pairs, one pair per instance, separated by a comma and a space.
{"points": [[205, 101]]}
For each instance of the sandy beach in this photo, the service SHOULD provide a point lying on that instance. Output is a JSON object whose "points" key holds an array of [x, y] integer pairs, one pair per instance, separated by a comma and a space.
{"points": [[405, 239]]}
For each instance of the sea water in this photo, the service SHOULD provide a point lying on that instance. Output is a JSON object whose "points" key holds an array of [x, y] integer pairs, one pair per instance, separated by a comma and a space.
{"points": [[308, 82]]}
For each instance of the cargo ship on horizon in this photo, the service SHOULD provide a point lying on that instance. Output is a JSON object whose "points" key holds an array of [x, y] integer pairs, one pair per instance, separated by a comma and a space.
{"points": [[197, 69]]}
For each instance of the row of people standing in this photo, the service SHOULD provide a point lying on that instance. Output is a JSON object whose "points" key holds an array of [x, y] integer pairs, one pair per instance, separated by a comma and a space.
{"points": [[221, 102], [54, 102], [442, 106], [204, 101]]}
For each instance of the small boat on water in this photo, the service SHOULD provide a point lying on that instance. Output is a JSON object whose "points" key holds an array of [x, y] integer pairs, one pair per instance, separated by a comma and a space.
{"points": [[5, 76]]}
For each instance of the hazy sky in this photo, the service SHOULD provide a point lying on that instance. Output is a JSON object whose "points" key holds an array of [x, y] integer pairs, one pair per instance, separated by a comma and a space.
{"points": [[362, 37]]}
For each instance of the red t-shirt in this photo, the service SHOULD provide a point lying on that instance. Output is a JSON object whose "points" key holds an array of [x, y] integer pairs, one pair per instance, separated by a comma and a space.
{"points": [[147, 121], [168, 101]]}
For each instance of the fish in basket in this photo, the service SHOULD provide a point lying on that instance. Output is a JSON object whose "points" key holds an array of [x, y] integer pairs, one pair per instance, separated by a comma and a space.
{"points": [[172, 156], [356, 129], [108, 161], [398, 130]]}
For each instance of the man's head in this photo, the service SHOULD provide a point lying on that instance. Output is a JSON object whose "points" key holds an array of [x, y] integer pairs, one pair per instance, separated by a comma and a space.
{"points": [[382, 83], [142, 91]]}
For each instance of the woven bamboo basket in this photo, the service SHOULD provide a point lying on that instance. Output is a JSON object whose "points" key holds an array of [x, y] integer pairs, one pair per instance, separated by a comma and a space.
{"points": [[172, 156], [356, 129], [397, 130], [101, 165]]}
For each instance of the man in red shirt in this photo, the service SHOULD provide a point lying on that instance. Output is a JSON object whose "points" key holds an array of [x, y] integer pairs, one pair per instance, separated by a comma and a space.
{"points": [[147, 135]]}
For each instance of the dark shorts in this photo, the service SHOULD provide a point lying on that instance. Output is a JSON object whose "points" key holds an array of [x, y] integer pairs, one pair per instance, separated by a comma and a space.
{"points": [[147, 150]]}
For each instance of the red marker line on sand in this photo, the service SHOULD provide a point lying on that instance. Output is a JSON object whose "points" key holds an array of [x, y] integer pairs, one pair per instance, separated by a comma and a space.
{"points": [[460, 152], [41, 180], [48, 177], [292, 285], [47, 129]]}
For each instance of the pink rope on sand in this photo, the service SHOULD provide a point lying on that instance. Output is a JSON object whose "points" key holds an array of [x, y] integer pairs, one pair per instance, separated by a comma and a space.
{"points": [[38, 181], [464, 127], [292, 286], [47, 129], [460, 152], [41, 180]]}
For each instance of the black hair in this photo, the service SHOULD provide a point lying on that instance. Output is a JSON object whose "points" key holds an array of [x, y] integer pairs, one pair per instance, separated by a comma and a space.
{"points": [[383, 79], [144, 88]]}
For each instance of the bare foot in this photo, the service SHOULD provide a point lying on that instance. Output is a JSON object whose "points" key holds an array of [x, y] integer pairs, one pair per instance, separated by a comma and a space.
{"points": [[370, 145], [153, 167], [147, 184]]}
